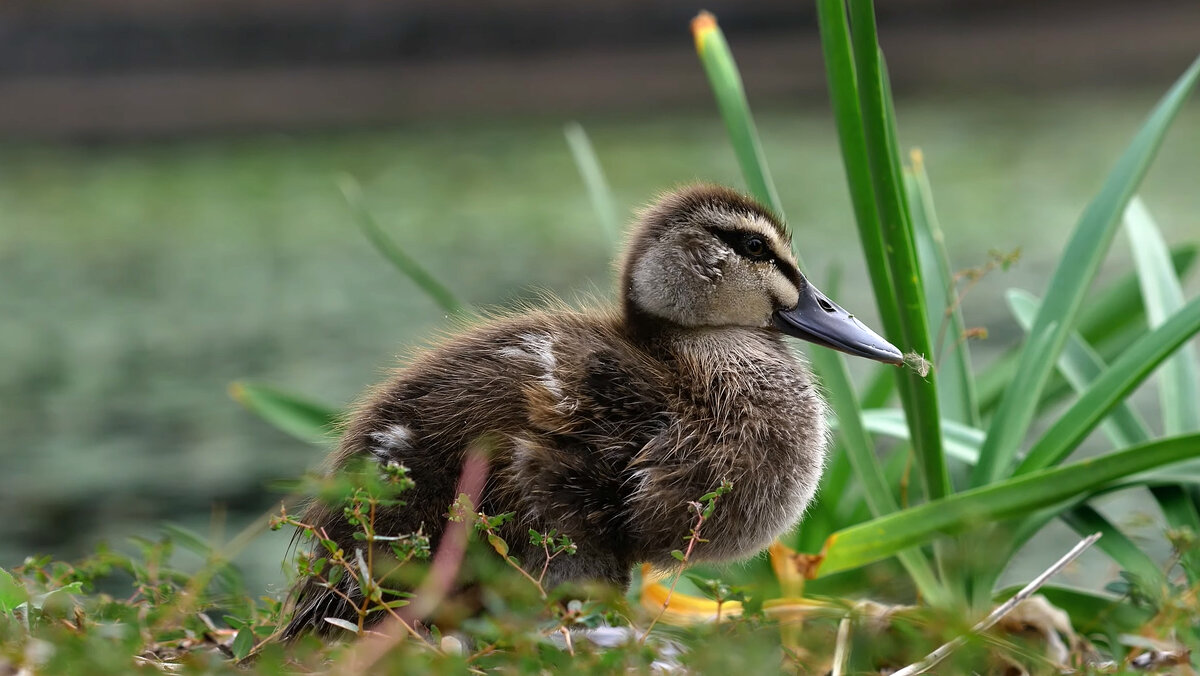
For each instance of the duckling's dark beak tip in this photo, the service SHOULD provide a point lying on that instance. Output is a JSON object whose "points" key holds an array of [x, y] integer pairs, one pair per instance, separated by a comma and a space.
{"points": [[819, 320]]}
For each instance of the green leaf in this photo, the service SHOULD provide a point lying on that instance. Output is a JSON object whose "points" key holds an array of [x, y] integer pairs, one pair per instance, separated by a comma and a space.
{"points": [[678, 554], [962, 442], [843, 94], [1109, 389], [735, 110], [956, 384], [1085, 520], [498, 544], [1068, 286], [306, 420], [12, 594], [243, 643], [57, 601], [1081, 366], [337, 622], [882, 537], [1106, 314], [394, 253], [861, 452], [918, 393], [1110, 320], [598, 191], [1179, 377]]}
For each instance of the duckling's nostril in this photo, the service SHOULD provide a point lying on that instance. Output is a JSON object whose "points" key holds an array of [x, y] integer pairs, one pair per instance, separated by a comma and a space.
{"points": [[825, 304]]}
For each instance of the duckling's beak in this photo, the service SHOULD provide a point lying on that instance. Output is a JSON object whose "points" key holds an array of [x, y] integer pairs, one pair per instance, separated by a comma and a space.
{"points": [[819, 320]]}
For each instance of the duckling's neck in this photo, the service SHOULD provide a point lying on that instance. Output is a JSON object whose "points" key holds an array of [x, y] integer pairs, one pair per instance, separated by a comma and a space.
{"points": [[669, 341]]}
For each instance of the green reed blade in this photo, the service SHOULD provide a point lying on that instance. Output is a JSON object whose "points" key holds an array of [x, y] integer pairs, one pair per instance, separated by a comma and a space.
{"points": [[1108, 390], [1081, 366], [1068, 286], [886, 535], [726, 83], [919, 393], [862, 109], [394, 253], [1179, 377], [1111, 320], [600, 194], [304, 419], [956, 383]]}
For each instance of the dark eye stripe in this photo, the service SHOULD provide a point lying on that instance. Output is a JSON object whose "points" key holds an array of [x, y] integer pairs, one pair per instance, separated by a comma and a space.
{"points": [[736, 239]]}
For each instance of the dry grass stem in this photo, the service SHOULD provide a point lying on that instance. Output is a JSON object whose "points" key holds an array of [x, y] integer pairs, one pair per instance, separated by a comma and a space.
{"points": [[933, 658]]}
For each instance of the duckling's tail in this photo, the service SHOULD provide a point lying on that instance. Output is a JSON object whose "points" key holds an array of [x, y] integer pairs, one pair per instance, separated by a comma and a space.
{"points": [[313, 600]]}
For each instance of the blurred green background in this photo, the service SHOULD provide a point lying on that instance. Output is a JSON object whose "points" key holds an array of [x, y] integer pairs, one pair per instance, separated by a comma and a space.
{"points": [[142, 273]]}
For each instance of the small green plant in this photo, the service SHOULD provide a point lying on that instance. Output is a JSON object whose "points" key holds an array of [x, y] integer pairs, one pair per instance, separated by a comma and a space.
{"points": [[369, 488]]}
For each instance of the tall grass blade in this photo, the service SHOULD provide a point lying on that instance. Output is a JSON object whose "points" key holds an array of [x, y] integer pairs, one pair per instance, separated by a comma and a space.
{"points": [[843, 95], [883, 537], [1179, 377], [962, 442], [1129, 370], [956, 383], [876, 489], [862, 110], [1068, 286], [592, 174], [385, 245], [735, 110], [1081, 366], [918, 393], [304, 419], [1121, 549], [1111, 320]]}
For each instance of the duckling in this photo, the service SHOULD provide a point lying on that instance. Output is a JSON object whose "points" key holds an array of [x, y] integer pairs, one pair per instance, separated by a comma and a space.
{"points": [[607, 422]]}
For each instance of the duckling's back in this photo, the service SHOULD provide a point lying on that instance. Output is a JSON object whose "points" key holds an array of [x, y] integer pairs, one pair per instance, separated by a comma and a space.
{"points": [[563, 400]]}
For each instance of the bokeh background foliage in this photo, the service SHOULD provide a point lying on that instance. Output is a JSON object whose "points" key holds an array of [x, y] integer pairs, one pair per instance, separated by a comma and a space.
{"points": [[180, 267]]}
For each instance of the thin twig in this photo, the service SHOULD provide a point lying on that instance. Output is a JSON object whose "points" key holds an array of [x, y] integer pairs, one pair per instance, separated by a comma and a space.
{"points": [[1003, 609], [536, 581], [687, 555], [567, 637]]}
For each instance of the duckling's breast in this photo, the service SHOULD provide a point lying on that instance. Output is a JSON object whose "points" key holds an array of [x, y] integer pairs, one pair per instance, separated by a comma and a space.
{"points": [[746, 410]]}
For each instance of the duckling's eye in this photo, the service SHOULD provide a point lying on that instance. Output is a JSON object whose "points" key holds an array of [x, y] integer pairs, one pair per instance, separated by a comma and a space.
{"points": [[755, 247]]}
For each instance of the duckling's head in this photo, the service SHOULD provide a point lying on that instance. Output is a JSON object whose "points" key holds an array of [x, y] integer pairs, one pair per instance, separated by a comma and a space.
{"points": [[709, 256]]}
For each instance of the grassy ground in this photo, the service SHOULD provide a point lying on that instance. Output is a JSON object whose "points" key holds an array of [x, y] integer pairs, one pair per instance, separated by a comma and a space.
{"points": [[139, 280]]}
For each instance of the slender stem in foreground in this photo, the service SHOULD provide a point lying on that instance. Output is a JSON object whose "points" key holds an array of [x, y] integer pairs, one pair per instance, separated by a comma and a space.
{"points": [[1003, 609], [435, 587], [687, 555]]}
